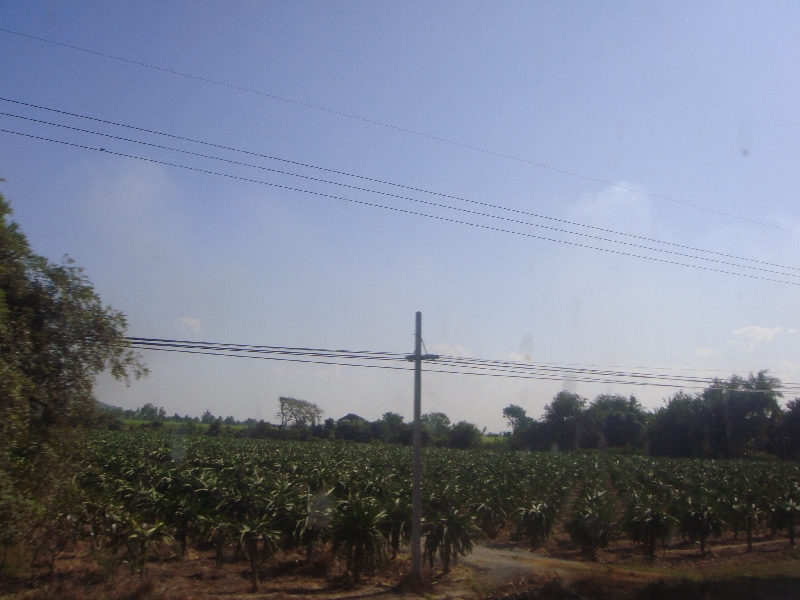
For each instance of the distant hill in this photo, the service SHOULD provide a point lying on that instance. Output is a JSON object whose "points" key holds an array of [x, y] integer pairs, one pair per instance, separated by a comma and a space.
{"points": [[103, 406]]}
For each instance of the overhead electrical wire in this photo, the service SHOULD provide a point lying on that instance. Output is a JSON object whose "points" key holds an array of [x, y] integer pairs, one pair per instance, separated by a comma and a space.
{"points": [[495, 365], [436, 204], [384, 182], [452, 364], [394, 127], [400, 210]]}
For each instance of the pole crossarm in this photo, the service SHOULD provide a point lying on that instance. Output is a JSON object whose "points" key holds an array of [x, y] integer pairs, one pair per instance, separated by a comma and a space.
{"points": [[413, 357]]}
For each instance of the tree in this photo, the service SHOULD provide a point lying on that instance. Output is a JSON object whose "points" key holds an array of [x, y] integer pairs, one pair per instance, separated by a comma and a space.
{"points": [[526, 432], [391, 428], [56, 336], [354, 428], [148, 412], [680, 428], [741, 414], [517, 417], [731, 418], [437, 425], [298, 412], [788, 431], [614, 422], [563, 418], [464, 435]]}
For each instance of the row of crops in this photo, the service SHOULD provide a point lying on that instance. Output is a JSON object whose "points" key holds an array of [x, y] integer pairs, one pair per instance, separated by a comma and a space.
{"points": [[256, 497]]}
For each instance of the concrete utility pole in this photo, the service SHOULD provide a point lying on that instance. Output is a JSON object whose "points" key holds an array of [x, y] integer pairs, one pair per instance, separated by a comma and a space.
{"points": [[416, 488]]}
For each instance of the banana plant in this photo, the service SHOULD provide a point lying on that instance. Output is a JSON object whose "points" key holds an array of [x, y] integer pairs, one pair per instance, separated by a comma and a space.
{"points": [[450, 533], [700, 520], [745, 514], [491, 517], [252, 531], [397, 525], [591, 524], [784, 514], [140, 538], [647, 522], [357, 534], [535, 522]]}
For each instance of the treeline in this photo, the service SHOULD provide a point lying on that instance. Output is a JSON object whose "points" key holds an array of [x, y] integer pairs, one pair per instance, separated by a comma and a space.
{"points": [[155, 414], [300, 420], [391, 428], [734, 418]]}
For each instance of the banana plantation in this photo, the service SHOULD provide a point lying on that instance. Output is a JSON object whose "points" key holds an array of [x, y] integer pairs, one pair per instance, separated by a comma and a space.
{"points": [[253, 498]]}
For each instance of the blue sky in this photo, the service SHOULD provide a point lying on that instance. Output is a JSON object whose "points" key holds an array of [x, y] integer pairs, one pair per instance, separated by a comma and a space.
{"points": [[693, 103]]}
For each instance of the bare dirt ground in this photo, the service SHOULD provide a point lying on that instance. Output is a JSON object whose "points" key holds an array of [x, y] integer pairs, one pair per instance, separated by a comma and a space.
{"points": [[500, 569]]}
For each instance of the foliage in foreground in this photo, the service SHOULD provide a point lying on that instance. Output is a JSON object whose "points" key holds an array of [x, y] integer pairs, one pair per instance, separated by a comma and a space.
{"points": [[56, 336]]}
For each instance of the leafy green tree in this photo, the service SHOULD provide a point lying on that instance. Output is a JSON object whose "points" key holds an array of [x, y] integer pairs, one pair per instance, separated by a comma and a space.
{"points": [[526, 432], [354, 428], [295, 412], [464, 435], [563, 419], [390, 428], [680, 428], [741, 414], [787, 438], [56, 337], [437, 425], [732, 418], [614, 422], [148, 412]]}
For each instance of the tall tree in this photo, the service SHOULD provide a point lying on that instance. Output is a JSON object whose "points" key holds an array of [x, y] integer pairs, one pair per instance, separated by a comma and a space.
{"points": [[742, 413], [614, 422], [787, 440], [563, 419], [298, 412], [731, 418], [56, 336], [437, 425]]}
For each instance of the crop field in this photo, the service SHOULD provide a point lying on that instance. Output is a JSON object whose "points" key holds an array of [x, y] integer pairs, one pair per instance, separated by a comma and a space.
{"points": [[260, 496], [222, 515]]}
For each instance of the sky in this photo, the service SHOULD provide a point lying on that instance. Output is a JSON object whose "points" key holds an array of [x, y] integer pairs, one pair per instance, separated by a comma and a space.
{"points": [[672, 121]]}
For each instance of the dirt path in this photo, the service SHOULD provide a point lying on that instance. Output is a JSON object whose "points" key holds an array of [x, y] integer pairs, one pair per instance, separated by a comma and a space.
{"points": [[498, 566]]}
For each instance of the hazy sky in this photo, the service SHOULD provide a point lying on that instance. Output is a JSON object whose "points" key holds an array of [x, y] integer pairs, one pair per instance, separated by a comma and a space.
{"points": [[697, 103]]}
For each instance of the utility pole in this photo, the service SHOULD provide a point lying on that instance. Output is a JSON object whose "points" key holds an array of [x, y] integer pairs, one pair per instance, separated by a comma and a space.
{"points": [[416, 486]]}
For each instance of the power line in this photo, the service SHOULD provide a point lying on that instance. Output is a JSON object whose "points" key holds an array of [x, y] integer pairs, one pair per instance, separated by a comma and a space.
{"points": [[394, 127], [397, 196], [426, 202], [455, 361], [384, 182], [399, 210], [457, 365]]}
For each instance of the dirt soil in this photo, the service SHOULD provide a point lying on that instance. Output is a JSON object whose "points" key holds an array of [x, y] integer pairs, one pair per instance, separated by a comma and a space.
{"points": [[500, 569]]}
